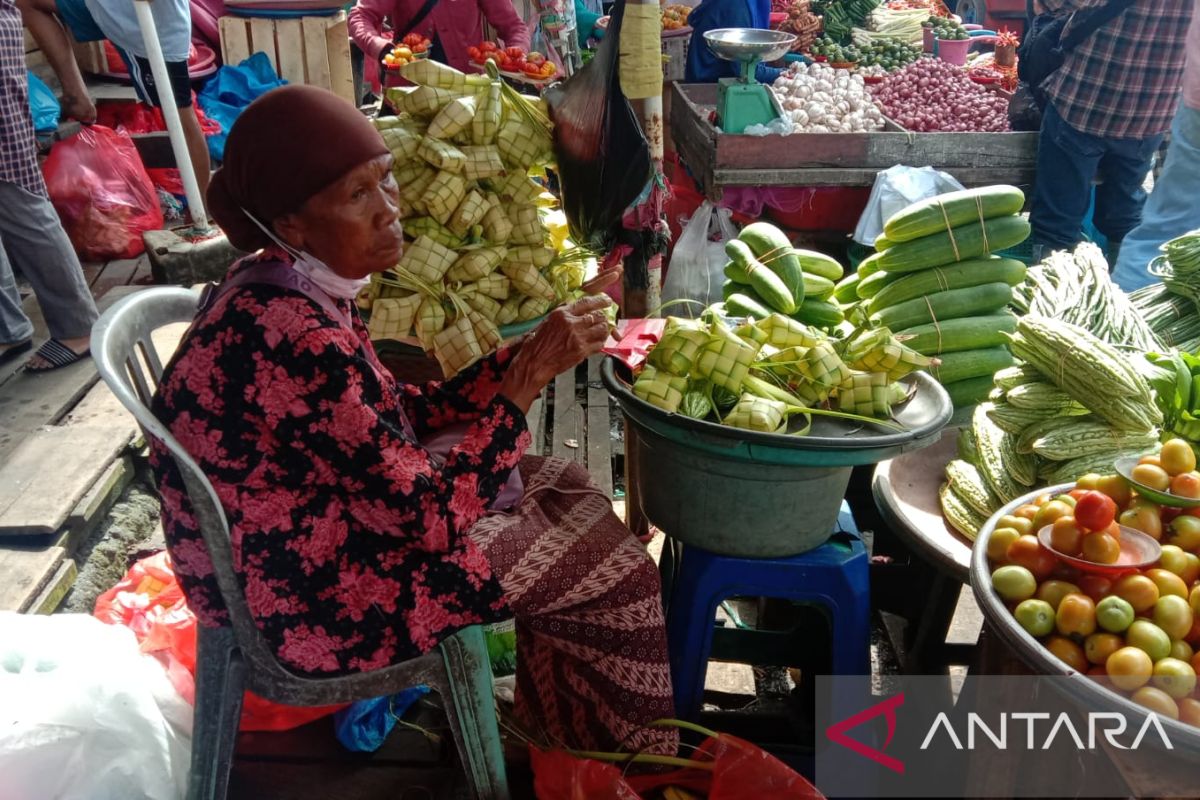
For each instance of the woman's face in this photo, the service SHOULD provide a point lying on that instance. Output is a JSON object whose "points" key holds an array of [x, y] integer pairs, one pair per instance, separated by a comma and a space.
{"points": [[351, 224]]}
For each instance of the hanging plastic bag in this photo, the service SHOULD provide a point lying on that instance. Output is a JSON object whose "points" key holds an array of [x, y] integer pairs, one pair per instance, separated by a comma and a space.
{"points": [[603, 157], [43, 105], [102, 193], [150, 602], [697, 268], [894, 189], [84, 714]]}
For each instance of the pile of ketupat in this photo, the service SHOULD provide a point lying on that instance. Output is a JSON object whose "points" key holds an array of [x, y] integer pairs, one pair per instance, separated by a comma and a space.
{"points": [[486, 247]]}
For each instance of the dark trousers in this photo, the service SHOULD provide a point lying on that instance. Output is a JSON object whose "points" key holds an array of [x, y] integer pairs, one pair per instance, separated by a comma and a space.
{"points": [[1068, 161]]}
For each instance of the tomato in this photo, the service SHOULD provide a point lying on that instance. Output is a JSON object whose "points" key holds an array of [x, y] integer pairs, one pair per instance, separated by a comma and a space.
{"points": [[1050, 512], [1095, 586], [1014, 583], [1177, 457], [1035, 616], [1066, 536], [1196, 662], [1021, 525], [1095, 511], [1194, 600], [1027, 511], [1076, 616], [1067, 498], [1151, 460], [1175, 561], [1101, 548], [1099, 646], [1152, 476], [1114, 614], [1186, 485], [1167, 582], [1173, 614], [1192, 573], [1157, 701], [474, 54], [1068, 652], [1182, 650], [1145, 635], [515, 53], [1116, 487], [1145, 519], [1075, 494], [1089, 481], [999, 542], [1189, 712], [535, 58], [1028, 552], [1185, 533], [1129, 668], [1054, 591], [1140, 591]]}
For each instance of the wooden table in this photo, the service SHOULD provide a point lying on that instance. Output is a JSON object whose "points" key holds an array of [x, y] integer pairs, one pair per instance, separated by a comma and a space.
{"points": [[905, 490], [719, 159]]}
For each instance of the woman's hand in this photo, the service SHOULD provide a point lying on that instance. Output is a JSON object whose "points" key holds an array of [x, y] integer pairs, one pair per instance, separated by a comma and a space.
{"points": [[569, 335]]}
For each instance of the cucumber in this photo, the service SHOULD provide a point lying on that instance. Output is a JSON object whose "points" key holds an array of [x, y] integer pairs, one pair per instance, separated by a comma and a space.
{"points": [[873, 284], [814, 263], [740, 305], [870, 265], [817, 286], [774, 249], [846, 289], [818, 313], [735, 273], [966, 241], [768, 285], [969, 391], [969, 205], [938, 279], [971, 364], [733, 287], [882, 243], [964, 333], [941, 306]]}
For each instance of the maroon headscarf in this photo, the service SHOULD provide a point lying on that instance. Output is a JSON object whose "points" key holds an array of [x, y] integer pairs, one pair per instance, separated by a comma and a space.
{"points": [[285, 147]]}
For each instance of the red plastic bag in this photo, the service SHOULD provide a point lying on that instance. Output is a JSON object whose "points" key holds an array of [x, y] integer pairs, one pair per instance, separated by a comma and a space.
{"points": [[150, 602], [560, 776], [102, 193], [169, 180], [138, 118]]}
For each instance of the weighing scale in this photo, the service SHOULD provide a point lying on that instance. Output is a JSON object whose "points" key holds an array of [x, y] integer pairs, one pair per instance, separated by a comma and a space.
{"points": [[743, 101]]}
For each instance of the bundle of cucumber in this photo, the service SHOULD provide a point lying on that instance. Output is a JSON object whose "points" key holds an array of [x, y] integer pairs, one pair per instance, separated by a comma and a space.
{"points": [[766, 274], [934, 281], [1071, 406]]}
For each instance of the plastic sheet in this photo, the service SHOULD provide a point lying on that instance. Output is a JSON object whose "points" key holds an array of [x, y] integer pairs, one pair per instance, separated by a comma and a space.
{"points": [[43, 105], [363, 726], [231, 90], [102, 193], [894, 189], [603, 158]]}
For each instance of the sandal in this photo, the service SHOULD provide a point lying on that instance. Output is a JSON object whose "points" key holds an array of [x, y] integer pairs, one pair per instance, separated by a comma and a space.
{"points": [[11, 351], [58, 355]]}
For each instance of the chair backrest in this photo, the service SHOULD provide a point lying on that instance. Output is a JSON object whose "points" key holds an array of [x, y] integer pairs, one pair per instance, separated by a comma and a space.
{"points": [[121, 346]]}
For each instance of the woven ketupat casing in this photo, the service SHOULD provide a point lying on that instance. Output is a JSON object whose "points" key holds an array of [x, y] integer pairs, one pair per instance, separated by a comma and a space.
{"points": [[427, 260], [444, 194], [725, 360], [660, 389], [393, 317], [755, 413]]}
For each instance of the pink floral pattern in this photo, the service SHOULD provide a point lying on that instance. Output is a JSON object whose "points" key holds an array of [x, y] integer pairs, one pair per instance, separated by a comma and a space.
{"points": [[348, 538]]}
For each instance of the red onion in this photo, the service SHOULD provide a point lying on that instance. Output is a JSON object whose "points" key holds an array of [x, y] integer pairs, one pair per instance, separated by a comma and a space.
{"points": [[933, 95]]}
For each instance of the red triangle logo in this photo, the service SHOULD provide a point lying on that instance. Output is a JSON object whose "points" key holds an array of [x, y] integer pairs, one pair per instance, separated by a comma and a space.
{"points": [[837, 732]]}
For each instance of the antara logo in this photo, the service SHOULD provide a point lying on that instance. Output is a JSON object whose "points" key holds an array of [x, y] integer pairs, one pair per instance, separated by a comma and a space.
{"points": [[837, 732], [1062, 726]]}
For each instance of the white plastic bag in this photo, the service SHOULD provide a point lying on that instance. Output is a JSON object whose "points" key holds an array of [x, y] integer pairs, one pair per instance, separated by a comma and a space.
{"points": [[85, 714], [896, 188], [697, 268]]}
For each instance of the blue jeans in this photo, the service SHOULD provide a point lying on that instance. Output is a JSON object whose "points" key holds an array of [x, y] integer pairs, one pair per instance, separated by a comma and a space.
{"points": [[1173, 208], [1068, 160]]}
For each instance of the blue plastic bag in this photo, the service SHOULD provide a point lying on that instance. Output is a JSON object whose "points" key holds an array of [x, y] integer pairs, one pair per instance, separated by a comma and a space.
{"points": [[43, 105], [231, 90], [364, 725]]}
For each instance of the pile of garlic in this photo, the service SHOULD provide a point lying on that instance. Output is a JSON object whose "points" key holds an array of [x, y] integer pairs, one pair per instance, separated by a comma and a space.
{"points": [[820, 99]]}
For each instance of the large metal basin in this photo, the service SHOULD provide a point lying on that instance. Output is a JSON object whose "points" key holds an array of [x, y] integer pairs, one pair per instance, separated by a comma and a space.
{"points": [[758, 495]]}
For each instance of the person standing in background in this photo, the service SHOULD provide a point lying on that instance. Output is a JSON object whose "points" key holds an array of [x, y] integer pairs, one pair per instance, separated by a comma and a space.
{"points": [[450, 25], [1107, 109], [31, 233], [702, 65], [115, 20], [1174, 207]]}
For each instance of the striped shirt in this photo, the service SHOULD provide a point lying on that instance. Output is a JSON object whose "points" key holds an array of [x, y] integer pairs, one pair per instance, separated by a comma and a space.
{"points": [[1123, 81], [18, 151]]}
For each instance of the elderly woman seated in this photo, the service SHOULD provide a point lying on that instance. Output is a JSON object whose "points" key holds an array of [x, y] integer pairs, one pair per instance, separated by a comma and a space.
{"points": [[357, 546]]}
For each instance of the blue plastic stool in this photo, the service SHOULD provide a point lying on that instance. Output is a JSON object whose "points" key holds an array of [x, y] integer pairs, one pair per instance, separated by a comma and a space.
{"points": [[834, 577]]}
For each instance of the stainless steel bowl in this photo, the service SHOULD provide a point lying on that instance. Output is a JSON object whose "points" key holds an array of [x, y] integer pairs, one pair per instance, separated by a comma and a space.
{"points": [[749, 44]]}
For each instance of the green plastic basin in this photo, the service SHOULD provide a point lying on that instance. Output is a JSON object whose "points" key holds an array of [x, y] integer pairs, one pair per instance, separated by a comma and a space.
{"points": [[757, 495]]}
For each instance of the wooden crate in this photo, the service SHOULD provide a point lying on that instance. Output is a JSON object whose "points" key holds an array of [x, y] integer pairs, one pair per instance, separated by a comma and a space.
{"points": [[836, 159], [309, 50]]}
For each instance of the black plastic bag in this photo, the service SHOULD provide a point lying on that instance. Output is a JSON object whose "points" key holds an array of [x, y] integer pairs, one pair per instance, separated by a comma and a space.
{"points": [[603, 158]]}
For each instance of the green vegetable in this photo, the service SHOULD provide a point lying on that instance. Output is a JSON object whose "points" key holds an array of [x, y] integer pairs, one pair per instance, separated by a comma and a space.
{"points": [[769, 285], [954, 276], [963, 242], [772, 248], [941, 306], [971, 364], [964, 333]]}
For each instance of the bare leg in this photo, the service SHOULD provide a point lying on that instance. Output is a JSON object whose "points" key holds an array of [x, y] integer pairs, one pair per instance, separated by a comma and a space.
{"points": [[40, 18], [197, 147]]}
